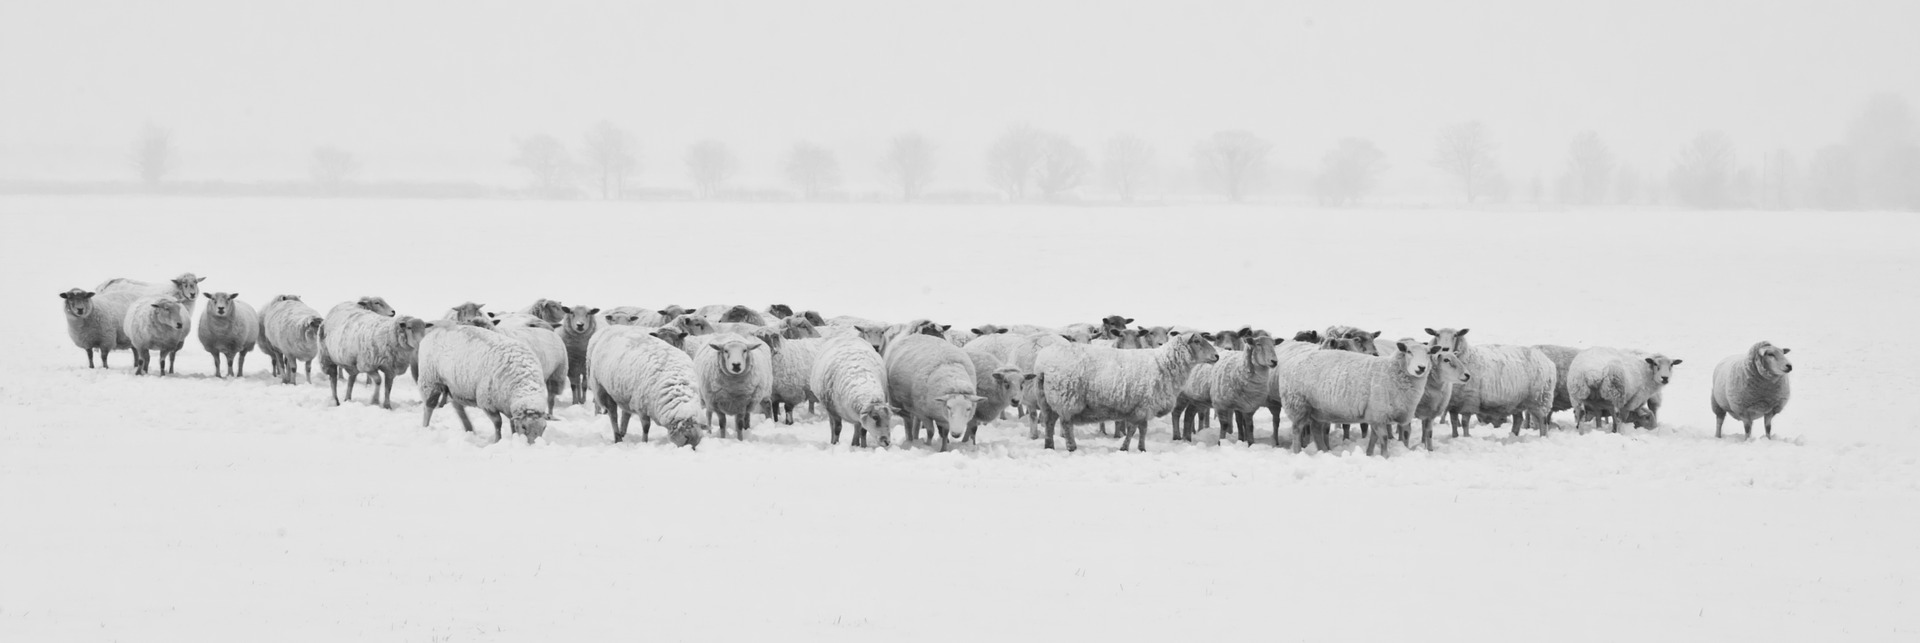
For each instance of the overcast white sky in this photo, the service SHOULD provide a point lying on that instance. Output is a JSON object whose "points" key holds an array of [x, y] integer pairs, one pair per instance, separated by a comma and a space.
{"points": [[438, 89]]}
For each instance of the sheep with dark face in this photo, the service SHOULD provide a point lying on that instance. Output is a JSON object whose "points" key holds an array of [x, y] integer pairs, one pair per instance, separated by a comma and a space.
{"points": [[1112, 325], [798, 327], [779, 311], [1229, 340], [96, 323], [228, 328], [735, 376], [576, 330], [1362, 340], [1086, 383], [1751, 386], [1615, 382], [155, 323], [742, 315]]}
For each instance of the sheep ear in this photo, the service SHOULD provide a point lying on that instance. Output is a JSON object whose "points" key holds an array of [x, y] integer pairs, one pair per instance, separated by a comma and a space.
{"points": [[977, 399], [1002, 331], [1462, 333], [1173, 333], [1403, 347], [1376, 334], [1430, 332], [1651, 362], [715, 346], [1245, 333], [1067, 337], [233, 295], [944, 327], [208, 295], [1206, 336], [64, 295], [156, 305], [594, 311], [755, 347], [1675, 362], [1784, 351], [1434, 350], [1029, 377], [1129, 320]]}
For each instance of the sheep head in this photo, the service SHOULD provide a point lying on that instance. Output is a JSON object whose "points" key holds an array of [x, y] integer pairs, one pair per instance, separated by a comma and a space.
{"points": [[1450, 339], [376, 305], [1660, 367], [693, 325], [1129, 338], [686, 432], [186, 287], [958, 409], [877, 420], [672, 336], [1008, 378], [1200, 345], [172, 311], [1260, 353], [1769, 360], [222, 303], [79, 303], [1449, 368], [797, 327], [874, 336], [529, 422], [1417, 357], [579, 319], [1229, 340], [409, 330], [781, 311], [549, 311], [733, 355]]}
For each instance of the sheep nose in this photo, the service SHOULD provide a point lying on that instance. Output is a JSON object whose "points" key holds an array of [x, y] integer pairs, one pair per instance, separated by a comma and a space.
{"points": [[1789, 368], [1466, 377], [1419, 370], [1663, 380]]}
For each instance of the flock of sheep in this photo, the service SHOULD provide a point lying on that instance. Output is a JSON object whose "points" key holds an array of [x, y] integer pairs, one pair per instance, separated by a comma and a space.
{"points": [[683, 369]]}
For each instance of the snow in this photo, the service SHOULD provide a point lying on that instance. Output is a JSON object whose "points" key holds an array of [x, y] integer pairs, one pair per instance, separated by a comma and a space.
{"points": [[189, 508]]}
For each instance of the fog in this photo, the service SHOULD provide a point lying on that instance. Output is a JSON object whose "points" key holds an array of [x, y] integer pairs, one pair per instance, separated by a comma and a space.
{"points": [[441, 90]]}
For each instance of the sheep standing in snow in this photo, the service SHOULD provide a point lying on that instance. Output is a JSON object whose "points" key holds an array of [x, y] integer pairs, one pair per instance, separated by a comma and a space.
{"points": [[851, 381], [931, 382], [792, 369], [96, 323], [184, 289], [735, 377], [229, 327], [155, 324], [635, 373], [357, 339], [575, 332], [1094, 384], [1562, 357], [996, 384], [294, 329], [547, 346], [1191, 404], [1329, 387], [470, 366], [1749, 386], [1449, 370], [260, 333], [1614, 382], [1240, 382], [1515, 381]]}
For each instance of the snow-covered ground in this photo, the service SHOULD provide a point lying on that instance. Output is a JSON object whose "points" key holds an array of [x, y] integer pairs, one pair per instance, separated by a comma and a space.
{"points": [[189, 508]]}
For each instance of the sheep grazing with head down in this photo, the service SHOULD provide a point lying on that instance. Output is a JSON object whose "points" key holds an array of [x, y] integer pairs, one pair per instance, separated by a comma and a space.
{"points": [[547, 346], [932, 383], [96, 323], [1328, 387], [356, 339], [1750, 386], [155, 324], [229, 328], [1240, 383], [1562, 357], [1097, 384], [792, 368], [184, 290], [735, 377], [1615, 382], [576, 330], [1514, 381], [293, 329], [851, 381], [635, 373], [470, 366]]}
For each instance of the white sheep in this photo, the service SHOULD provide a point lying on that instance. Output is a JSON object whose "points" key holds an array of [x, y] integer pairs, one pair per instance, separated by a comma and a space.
{"points": [[1515, 381], [693, 325], [849, 320], [1098, 384], [470, 366], [1749, 386], [184, 289], [1614, 382], [155, 323], [357, 339], [635, 373], [996, 383], [1327, 387], [1562, 357], [260, 333], [741, 315], [932, 383], [1240, 382], [546, 310], [294, 329], [547, 346], [575, 332], [850, 379], [792, 368], [1285, 355], [1363, 341], [798, 327], [467, 313], [96, 322], [631, 316], [229, 327], [874, 336], [1449, 370], [735, 376], [1191, 404], [915, 327]]}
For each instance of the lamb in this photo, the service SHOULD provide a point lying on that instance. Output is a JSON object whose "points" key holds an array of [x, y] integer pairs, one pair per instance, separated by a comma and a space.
{"points": [[1562, 357], [635, 373], [931, 382], [547, 347], [1329, 387], [996, 384], [184, 289], [575, 332], [1096, 384], [742, 315], [546, 310], [798, 327], [1240, 382], [1615, 382], [293, 329], [356, 338], [470, 366], [1513, 381], [792, 368], [851, 381], [96, 322], [1449, 370], [1751, 386], [229, 327], [155, 323], [735, 375]]}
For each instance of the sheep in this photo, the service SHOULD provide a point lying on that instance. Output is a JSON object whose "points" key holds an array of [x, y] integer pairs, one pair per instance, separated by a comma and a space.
{"points": [[915, 327], [1449, 370], [1093, 384], [229, 327], [874, 336], [631, 316], [356, 338], [1614, 382], [1191, 404], [470, 366], [738, 328], [184, 289], [575, 332], [778, 311], [1157, 336], [1330, 386], [798, 327], [1032, 397], [692, 325], [96, 322], [713, 312], [547, 346], [669, 313], [155, 323], [792, 368], [735, 377], [1303, 343], [1749, 386], [1080, 333], [260, 335], [467, 312], [1229, 340], [1562, 357], [546, 310], [849, 320], [742, 315], [851, 381], [293, 328], [1362, 340], [375, 305], [1111, 325], [996, 384], [1507, 380], [635, 373], [931, 382], [1240, 381]]}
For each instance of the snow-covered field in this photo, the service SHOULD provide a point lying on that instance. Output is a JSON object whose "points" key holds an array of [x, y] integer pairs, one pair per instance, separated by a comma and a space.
{"points": [[195, 509]]}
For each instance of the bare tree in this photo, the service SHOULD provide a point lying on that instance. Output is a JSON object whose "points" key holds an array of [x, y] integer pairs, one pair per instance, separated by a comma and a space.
{"points": [[613, 154], [549, 167], [1702, 175], [1128, 164], [908, 164], [1231, 160], [1885, 145], [1013, 158], [153, 154], [1466, 152], [1348, 171], [332, 167], [813, 169], [710, 164], [1590, 165], [1062, 167]]}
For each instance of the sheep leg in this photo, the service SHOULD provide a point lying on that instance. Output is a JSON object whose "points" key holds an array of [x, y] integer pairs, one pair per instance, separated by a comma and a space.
{"points": [[971, 428], [1049, 418], [460, 410], [333, 377], [833, 427], [242, 370], [1323, 431], [741, 422], [1346, 433], [1719, 421], [386, 396], [494, 417], [1749, 425], [139, 362], [309, 371], [620, 418], [1067, 426], [429, 398], [646, 428], [943, 429], [1140, 429], [216, 364], [1769, 421]]}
